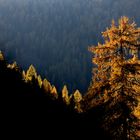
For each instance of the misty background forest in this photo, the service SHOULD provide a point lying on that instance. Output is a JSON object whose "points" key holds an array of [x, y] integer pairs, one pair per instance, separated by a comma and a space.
{"points": [[54, 35]]}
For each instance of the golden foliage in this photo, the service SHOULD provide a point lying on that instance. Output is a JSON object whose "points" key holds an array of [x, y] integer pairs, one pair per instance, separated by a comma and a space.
{"points": [[46, 85], [23, 75], [13, 66], [121, 42], [31, 72], [116, 76], [39, 79], [1, 56], [77, 96], [65, 95], [54, 92]]}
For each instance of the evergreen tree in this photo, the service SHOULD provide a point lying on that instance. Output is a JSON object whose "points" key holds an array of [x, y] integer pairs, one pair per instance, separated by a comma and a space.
{"points": [[116, 79]]}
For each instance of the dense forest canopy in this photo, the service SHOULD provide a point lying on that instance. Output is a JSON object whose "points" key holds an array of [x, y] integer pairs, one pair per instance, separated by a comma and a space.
{"points": [[111, 105], [54, 35]]}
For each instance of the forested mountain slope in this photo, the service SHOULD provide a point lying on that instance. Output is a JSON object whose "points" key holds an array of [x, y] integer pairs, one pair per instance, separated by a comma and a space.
{"points": [[111, 105], [31, 106], [54, 35]]}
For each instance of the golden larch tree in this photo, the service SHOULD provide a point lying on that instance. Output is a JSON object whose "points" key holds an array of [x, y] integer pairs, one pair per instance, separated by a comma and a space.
{"points": [[116, 79]]}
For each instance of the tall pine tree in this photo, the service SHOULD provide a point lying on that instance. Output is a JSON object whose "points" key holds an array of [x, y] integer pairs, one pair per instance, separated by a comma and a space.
{"points": [[116, 79]]}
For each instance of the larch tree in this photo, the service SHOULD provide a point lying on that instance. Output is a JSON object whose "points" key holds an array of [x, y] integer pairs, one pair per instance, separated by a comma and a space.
{"points": [[65, 95], [75, 101], [13, 66], [31, 73], [1, 56], [39, 79], [116, 79], [54, 93], [46, 86]]}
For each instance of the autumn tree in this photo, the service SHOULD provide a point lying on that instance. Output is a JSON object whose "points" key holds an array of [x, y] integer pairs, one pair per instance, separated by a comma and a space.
{"points": [[54, 93], [39, 79], [75, 99], [46, 86], [116, 79], [65, 95], [13, 66], [30, 74], [1, 56]]}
